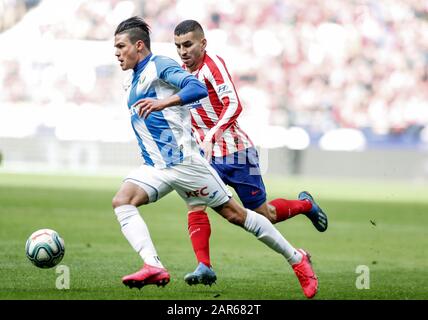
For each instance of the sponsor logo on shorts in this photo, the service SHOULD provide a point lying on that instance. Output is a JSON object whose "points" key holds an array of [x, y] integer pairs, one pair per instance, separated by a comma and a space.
{"points": [[198, 193], [213, 195]]}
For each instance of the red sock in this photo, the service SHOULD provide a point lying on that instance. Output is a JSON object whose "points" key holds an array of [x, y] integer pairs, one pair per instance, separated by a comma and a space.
{"points": [[199, 233], [286, 209]]}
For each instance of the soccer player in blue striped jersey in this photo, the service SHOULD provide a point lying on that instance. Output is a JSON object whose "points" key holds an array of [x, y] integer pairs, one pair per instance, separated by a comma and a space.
{"points": [[157, 99]]}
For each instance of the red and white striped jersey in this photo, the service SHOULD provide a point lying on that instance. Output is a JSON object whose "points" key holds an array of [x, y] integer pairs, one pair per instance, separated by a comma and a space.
{"points": [[215, 117]]}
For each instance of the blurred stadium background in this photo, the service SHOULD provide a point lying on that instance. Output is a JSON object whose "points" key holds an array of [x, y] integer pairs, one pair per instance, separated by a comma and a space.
{"points": [[330, 88], [335, 95]]}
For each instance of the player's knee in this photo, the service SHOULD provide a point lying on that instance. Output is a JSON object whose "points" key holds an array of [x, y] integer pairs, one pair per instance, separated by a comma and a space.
{"points": [[235, 215], [236, 218], [120, 200], [233, 212], [191, 208]]}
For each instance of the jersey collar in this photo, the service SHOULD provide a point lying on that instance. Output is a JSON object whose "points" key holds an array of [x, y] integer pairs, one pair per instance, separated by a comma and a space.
{"points": [[196, 72], [140, 65]]}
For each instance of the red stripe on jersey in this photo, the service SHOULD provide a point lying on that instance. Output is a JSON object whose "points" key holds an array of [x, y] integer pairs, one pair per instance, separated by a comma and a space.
{"points": [[221, 143], [224, 149], [221, 114], [214, 100], [205, 118], [200, 131], [231, 121], [245, 135], [214, 70], [236, 139], [228, 74]]}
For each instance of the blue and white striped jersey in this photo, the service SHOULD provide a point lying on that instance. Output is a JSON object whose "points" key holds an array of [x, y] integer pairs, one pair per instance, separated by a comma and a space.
{"points": [[165, 137]]}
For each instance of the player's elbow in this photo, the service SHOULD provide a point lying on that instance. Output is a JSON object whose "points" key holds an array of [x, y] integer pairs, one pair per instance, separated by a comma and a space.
{"points": [[201, 92], [193, 90], [199, 89]]}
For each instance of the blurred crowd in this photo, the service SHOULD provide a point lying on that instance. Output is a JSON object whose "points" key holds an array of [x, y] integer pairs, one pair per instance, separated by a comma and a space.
{"points": [[11, 11], [320, 65]]}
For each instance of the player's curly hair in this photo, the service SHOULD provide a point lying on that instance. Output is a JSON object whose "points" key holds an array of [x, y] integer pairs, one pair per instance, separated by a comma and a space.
{"points": [[136, 28]]}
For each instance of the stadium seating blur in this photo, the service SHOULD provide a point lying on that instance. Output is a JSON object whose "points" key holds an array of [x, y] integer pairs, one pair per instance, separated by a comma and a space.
{"points": [[320, 66]]}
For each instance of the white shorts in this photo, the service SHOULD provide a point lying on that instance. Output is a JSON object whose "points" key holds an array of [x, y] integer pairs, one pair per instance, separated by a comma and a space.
{"points": [[195, 181]]}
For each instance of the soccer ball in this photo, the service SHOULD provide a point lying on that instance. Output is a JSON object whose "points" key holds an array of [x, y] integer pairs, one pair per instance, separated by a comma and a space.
{"points": [[45, 248]]}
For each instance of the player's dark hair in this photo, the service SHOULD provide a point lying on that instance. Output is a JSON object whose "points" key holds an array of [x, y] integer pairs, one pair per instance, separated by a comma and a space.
{"points": [[136, 28], [187, 26]]}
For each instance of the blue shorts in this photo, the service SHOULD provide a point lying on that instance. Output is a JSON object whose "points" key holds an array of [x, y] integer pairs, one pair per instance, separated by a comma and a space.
{"points": [[241, 171]]}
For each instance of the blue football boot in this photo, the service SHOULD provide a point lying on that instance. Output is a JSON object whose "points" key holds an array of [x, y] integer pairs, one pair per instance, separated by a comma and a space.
{"points": [[202, 274], [316, 215]]}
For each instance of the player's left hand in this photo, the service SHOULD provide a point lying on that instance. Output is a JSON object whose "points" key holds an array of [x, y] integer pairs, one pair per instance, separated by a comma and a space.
{"points": [[147, 106]]}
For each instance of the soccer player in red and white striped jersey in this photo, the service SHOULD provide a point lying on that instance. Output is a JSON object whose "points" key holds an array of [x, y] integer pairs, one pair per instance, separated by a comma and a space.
{"points": [[215, 121], [228, 148]]}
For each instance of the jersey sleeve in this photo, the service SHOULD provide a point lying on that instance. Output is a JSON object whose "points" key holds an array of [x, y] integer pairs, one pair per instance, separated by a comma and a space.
{"points": [[191, 88], [219, 78]]}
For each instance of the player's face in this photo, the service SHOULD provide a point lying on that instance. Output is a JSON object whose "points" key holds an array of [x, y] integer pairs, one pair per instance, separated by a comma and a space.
{"points": [[126, 52], [191, 47]]}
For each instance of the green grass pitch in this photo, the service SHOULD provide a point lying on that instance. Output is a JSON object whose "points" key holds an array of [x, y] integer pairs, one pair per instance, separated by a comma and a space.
{"points": [[381, 225]]}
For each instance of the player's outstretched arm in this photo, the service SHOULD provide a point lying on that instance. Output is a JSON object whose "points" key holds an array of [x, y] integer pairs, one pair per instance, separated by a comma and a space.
{"points": [[148, 105], [192, 91]]}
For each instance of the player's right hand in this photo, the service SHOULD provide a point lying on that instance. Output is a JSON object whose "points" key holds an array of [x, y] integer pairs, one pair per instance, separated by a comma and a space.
{"points": [[207, 148]]}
